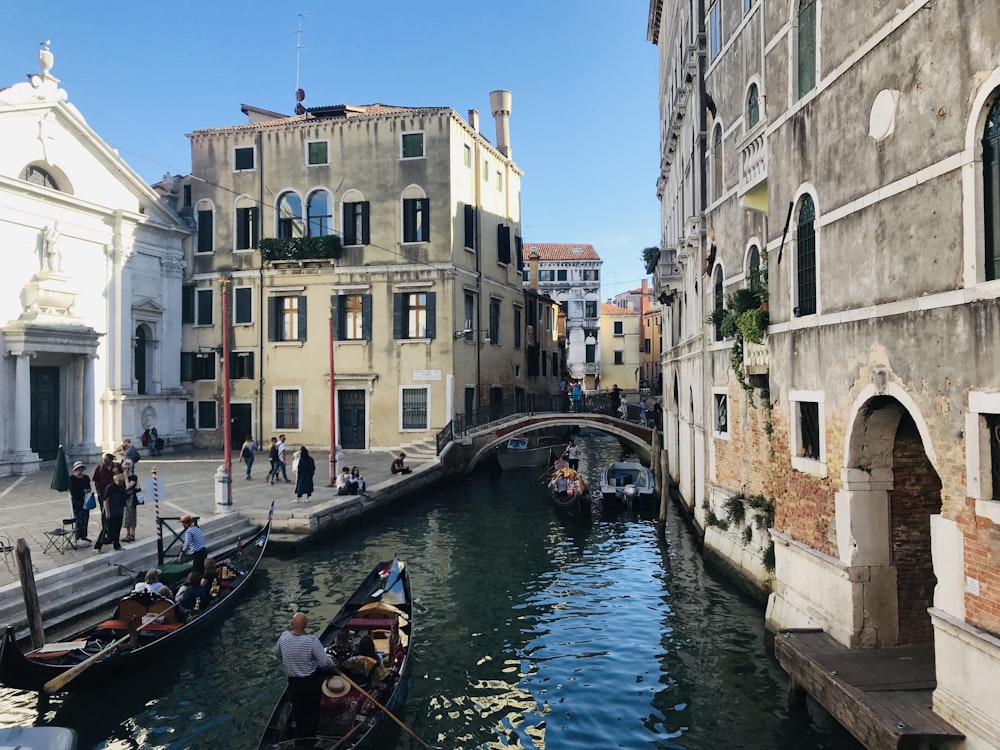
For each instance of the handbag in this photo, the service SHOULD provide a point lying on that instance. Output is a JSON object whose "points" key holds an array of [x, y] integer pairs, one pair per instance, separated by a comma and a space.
{"points": [[138, 498], [89, 502]]}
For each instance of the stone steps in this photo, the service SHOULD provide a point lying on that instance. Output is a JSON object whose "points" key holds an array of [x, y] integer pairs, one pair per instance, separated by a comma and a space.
{"points": [[88, 586]]}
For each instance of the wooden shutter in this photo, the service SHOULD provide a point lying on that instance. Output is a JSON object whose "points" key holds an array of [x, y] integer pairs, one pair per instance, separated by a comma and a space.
{"points": [[425, 206], [348, 213], [470, 227], [272, 319], [302, 318], [503, 243], [366, 317], [187, 304], [519, 249], [409, 220], [187, 367], [206, 232], [398, 311], [366, 232], [431, 323], [335, 316]]}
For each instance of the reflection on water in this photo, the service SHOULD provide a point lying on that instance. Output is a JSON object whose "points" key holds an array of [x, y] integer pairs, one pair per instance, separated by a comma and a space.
{"points": [[532, 630]]}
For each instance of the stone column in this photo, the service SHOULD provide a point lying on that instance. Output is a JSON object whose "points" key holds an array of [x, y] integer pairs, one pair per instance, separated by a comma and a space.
{"points": [[22, 415], [88, 404]]}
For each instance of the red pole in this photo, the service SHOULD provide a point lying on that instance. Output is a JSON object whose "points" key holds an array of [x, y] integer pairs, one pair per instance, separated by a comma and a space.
{"points": [[227, 427], [333, 412]]}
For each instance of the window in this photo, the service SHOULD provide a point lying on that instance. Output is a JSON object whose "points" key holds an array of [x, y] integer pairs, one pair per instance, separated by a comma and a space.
{"points": [[991, 191], [241, 365], [470, 227], [753, 267], [352, 317], [243, 158], [720, 414], [591, 274], [287, 407], [413, 408], [714, 29], [555, 363], [317, 152], [186, 199], [590, 310], [416, 216], [619, 357], [807, 442], [187, 303], [413, 315], [808, 420], [717, 161], [494, 331], [806, 46], [503, 243], [619, 328], [753, 106], [805, 244], [519, 250], [246, 224], [189, 412], [197, 366], [546, 275], [242, 305], [206, 228], [206, 415], [286, 318], [289, 218], [412, 145], [499, 180], [470, 316], [319, 214], [467, 156], [517, 328], [718, 303], [591, 353], [38, 176], [204, 307], [561, 274], [357, 223], [747, 5], [486, 171]]}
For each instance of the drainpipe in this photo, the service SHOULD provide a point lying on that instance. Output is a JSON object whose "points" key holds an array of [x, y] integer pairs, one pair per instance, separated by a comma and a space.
{"points": [[703, 197], [261, 308]]}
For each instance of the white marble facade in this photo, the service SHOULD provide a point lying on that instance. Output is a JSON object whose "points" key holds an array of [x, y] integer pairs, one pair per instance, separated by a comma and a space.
{"points": [[90, 297]]}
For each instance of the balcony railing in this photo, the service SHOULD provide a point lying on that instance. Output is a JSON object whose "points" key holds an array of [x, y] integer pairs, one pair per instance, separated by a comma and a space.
{"points": [[756, 360], [753, 159]]}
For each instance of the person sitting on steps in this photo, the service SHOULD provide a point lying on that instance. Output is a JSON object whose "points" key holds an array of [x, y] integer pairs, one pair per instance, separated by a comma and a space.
{"points": [[344, 484], [397, 465]]}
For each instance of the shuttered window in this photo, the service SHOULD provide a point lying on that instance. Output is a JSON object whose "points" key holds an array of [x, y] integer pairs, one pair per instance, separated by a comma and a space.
{"points": [[357, 226], [413, 315], [806, 257], [206, 231], [286, 318], [413, 403], [352, 317], [416, 220], [470, 227]]}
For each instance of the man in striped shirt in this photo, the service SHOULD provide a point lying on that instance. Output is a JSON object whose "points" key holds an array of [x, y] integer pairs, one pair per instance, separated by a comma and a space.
{"points": [[304, 660], [194, 545]]}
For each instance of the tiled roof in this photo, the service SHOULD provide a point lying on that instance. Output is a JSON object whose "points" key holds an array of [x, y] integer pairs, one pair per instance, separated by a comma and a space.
{"points": [[557, 251], [344, 111], [607, 309]]}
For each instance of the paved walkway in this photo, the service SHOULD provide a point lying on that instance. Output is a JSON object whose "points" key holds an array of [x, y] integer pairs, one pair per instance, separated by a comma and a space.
{"points": [[29, 507]]}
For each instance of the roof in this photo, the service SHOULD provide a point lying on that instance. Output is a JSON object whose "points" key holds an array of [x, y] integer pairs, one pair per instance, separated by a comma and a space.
{"points": [[557, 251], [607, 309], [332, 112]]}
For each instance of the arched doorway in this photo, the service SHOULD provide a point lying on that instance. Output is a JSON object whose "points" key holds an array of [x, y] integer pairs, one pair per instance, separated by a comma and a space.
{"points": [[141, 359]]}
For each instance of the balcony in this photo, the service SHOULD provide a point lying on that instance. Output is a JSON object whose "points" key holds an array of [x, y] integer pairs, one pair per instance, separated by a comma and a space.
{"points": [[756, 359], [298, 249], [752, 187]]}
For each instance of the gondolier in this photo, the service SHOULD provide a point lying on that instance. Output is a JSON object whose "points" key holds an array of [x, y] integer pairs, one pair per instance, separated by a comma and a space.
{"points": [[572, 455], [194, 545], [304, 660]]}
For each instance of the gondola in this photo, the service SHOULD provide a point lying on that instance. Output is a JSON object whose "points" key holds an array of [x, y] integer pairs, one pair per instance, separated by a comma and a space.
{"points": [[627, 482], [142, 628], [531, 451], [568, 490], [380, 608]]}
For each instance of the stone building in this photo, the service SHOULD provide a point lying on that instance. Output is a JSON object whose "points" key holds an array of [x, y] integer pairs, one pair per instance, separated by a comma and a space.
{"points": [[849, 180], [621, 347], [90, 324], [571, 274], [382, 240], [650, 332]]}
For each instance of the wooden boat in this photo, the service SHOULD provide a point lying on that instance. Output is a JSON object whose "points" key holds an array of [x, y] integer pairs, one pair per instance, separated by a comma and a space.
{"points": [[627, 482], [528, 451], [381, 608], [143, 627], [568, 489]]}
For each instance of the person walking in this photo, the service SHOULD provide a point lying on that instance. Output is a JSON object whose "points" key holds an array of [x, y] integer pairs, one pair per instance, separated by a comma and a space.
{"points": [[113, 510], [577, 397], [79, 488], [304, 479], [304, 660], [247, 453], [272, 456], [194, 545], [642, 412], [281, 458]]}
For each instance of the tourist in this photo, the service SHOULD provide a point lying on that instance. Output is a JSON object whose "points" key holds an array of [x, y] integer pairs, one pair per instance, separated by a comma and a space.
{"points": [[306, 470], [397, 465], [281, 459], [272, 456], [113, 510], [79, 489], [344, 484], [133, 501], [247, 452], [360, 486]]}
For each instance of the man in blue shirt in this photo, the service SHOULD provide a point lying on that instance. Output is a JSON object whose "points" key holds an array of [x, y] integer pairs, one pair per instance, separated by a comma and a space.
{"points": [[304, 660], [194, 545]]}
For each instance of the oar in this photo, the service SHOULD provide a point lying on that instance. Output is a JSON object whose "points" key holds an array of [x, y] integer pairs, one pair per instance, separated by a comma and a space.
{"points": [[59, 681], [347, 736], [387, 712]]}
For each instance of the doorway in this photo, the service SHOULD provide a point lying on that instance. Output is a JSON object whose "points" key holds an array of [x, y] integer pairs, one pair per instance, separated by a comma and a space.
{"points": [[353, 419], [44, 438], [241, 421]]}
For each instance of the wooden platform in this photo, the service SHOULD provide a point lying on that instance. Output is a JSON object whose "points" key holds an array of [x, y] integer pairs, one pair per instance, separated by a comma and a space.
{"points": [[881, 696]]}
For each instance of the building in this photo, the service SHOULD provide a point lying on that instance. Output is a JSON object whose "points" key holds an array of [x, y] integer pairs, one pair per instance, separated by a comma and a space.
{"points": [[376, 242], [90, 295], [571, 274], [621, 354], [848, 381], [641, 301]]}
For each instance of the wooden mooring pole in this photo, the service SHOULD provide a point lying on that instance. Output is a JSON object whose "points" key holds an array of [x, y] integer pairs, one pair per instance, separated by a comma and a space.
{"points": [[661, 523], [31, 608]]}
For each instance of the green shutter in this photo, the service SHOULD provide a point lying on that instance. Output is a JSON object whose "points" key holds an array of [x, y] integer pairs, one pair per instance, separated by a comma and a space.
{"points": [[272, 319], [187, 369], [366, 232], [335, 316], [398, 310], [206, 232], [302, 318], [470, 226], [187, 304], [348, 212], [409, 220], [431, 323], [425, 206], [366, 317]]}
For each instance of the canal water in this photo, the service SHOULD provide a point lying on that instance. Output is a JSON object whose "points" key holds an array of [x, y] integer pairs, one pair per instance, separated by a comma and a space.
{"points": [[531, 631]]}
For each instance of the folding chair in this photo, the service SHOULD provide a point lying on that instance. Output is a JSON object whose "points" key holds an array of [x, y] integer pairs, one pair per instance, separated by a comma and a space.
{"points": [[61, 539], [7, 550]]}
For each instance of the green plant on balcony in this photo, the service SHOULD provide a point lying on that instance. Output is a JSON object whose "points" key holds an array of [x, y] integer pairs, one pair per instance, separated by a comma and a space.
{"points": [[743, 318], [299, 248], [649, 258]]}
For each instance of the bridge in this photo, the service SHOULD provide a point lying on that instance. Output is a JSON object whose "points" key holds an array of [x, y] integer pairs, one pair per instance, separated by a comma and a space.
{"points": [[467, 441]]}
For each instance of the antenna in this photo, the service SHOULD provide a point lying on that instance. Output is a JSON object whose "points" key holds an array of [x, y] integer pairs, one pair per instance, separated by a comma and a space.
{"points": [[300, 95]]}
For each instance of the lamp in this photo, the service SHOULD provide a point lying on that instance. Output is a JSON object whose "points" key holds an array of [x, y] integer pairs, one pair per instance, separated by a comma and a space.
{"points": [[466, 333]]}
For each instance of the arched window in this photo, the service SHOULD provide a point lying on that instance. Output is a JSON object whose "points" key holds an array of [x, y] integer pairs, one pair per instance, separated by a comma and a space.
{"points": [[245, 229], [717, 161], [289, 217], [141, 360], [991, 191], [753, 106], [806, 46], [38, 176], [416, 215], [805, 242], [718, 302], [753, 266], [205, 212], [319, 213]]}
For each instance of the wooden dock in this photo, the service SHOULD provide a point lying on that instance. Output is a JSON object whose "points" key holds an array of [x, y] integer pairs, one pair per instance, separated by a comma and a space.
{"points": [[881, 696]]}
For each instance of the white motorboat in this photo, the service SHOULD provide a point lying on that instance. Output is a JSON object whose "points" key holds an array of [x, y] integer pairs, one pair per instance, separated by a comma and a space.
{"points": [[628, 482]]}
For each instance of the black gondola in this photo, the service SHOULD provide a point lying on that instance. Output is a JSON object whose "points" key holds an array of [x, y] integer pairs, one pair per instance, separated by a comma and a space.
{"points": [[568, 490], [378, 613], [143, 626]]}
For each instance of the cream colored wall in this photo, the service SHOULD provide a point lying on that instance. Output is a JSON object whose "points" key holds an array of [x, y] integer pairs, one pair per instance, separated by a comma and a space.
{"points": [[624, 374]]}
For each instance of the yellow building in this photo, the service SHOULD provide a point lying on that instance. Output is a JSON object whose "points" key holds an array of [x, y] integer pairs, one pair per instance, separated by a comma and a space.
{"points": [[621, 358]]}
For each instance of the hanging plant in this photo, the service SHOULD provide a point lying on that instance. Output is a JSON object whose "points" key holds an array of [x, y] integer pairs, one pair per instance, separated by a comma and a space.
{"points": [[743, 318]]}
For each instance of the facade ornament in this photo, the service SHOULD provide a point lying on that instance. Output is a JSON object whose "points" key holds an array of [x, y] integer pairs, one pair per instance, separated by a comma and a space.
{"points": [[173, 267], [880, 379], [50, 259], [45, 58]]}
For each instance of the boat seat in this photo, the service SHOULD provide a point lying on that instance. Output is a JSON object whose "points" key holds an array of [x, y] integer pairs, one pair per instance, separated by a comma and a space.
{"points": [[129, 608], [123, 625], [623, 479], [167, 608], [368, 623]]}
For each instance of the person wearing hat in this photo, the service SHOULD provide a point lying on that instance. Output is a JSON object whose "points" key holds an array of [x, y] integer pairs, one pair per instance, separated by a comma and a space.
{"points": [[79, 488], [305, 660], [397, 465], [194, 545]]}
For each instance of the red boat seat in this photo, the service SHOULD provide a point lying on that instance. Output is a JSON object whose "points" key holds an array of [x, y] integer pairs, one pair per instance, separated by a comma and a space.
{"points": [[365, 623]]}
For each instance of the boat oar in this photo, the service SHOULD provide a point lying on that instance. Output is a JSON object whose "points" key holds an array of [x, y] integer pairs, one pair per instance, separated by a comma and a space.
{"points": [[347, 736], [385, 710], [59, 681]]}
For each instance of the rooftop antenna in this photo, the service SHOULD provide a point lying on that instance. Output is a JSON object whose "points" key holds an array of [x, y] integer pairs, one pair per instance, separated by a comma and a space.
{"points": [[300, 95]]}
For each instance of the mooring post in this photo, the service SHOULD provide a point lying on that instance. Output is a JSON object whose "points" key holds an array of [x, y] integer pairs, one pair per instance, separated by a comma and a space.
{"points": [[661, 524], [30, 593], [654, 457]]}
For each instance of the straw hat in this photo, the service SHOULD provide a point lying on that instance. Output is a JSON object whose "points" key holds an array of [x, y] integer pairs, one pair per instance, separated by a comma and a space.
{"points": [[335, 687]]}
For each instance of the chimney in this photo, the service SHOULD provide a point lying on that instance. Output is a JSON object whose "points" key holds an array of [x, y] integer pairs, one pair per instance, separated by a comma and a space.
{"points": [[533, 269], [644, 300], [500, 104], [474, 119]]}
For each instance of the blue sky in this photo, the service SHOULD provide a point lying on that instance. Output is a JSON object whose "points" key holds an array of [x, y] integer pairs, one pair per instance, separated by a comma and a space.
{"points": [[584, 119]]}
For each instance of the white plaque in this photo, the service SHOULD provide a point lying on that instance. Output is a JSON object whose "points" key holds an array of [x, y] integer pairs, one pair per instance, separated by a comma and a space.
{"points": [[426, 374]]}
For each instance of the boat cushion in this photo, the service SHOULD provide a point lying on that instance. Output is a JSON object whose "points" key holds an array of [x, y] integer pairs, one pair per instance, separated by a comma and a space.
{"points": [[123, 625], [366, 623]]}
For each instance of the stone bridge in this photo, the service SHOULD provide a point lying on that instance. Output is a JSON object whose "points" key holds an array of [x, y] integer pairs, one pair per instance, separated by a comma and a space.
{"points": [[480, 442]]}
